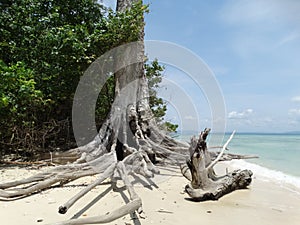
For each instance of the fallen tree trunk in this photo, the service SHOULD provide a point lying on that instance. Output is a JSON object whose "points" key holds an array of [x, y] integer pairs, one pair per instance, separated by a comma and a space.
{"points": [[204, 184]]}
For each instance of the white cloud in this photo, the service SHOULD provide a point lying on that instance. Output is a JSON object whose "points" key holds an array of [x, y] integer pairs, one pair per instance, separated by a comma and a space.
{"points": [[296, 99], [267, 120], [249, 12], [262, 24], [293, 122], [294, 118], [240, 115], [294, 112], [244, 11]]}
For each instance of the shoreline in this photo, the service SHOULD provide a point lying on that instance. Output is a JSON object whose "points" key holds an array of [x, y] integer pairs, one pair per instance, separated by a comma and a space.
{"points": [[289, 181], [164, 202]]}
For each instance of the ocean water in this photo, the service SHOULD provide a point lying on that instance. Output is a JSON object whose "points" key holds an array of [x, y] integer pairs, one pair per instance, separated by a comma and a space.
{"points": [[279, 155]]}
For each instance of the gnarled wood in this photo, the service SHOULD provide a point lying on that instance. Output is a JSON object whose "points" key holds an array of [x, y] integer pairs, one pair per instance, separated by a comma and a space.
{"points": [[204, 184], [130, 142], [118, 213], [238, 179]]}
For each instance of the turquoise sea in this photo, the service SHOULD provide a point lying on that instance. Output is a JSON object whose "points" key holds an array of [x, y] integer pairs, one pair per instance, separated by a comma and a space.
{"points": [[279, 154]]}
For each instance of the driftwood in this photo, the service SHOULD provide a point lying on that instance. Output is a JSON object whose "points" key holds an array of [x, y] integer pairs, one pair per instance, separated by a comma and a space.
{"points": [[204, 183], [128, 143], [199, 170]]}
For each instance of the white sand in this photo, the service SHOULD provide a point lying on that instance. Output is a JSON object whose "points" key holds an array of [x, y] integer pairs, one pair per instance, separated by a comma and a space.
{"points": [[263, 203]]}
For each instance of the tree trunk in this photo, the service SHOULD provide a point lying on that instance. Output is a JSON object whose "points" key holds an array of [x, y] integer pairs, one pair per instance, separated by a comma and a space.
{"points": [[205, 185], [129, 142], [125, 143]]}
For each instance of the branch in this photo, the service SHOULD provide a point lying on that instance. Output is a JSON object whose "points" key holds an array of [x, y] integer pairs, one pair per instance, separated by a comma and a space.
{"points": [[109, 217], [212, 164], [107, 173]]}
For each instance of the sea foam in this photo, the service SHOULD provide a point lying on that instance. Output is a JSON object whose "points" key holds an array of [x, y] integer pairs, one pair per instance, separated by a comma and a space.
{"points": [[289, 182]]}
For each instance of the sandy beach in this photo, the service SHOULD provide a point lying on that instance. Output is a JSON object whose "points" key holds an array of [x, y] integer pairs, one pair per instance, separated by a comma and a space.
{"points": [[164, 202]]}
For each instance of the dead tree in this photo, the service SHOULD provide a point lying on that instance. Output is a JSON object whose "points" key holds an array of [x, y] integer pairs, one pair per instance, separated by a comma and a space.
{"points": [[129, 142], [204, 183]]}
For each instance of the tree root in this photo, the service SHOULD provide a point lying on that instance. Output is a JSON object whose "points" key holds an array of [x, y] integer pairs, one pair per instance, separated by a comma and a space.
{"points": [[128, 143], [199, 171], [107, 173], [238, 179], [204, 183], [118, 213], [90, 163]]}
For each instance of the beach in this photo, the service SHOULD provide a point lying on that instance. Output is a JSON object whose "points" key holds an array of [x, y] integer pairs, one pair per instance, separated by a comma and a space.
{"points": [[164, 202]]}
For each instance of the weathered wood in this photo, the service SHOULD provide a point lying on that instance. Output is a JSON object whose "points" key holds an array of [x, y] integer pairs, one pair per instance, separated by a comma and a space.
{"points": [[216, 160], [239, 179], [42, 184], [106, 174], [231, 156], [109, 217], [204, 184], [126, 142], [133, 205]]}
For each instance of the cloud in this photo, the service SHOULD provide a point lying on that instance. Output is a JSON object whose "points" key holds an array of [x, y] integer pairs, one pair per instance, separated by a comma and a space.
{"points": [[296, 99], [294, 118], [293, 122], [249, 12], [262, 25], [240, 115], [294, 112]]}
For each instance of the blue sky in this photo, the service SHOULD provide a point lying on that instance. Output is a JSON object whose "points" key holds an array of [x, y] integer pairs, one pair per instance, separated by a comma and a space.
{"points": [[252, 47]]}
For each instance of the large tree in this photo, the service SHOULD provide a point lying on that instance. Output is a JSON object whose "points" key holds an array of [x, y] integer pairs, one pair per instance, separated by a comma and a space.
{"points": [[45, 46], [129, 141]]}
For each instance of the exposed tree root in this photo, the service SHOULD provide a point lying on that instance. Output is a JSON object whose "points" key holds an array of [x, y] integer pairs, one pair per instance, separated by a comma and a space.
{"points": [[238, 179], [110, 159], [96, 159], [128, 143], [204, 184], [122, 211]]}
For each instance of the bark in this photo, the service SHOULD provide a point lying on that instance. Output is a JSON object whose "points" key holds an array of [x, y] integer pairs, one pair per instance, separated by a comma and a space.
{"points": [[125, 144], [204, 184], [128, 143]]}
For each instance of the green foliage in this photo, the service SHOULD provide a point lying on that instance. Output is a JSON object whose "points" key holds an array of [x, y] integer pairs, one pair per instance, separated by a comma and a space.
{"points": [[47, 45], [154, 76], [59, 39], [20, 102], [105, 100], [157, 105], [18, 94], [170, 127]]}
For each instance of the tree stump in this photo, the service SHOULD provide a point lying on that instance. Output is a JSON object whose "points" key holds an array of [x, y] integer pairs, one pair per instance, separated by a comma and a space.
{"points": [[205, 184]]}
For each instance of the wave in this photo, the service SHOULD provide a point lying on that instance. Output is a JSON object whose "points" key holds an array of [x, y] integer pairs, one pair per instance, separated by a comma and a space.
{"points": [[289, 182]]}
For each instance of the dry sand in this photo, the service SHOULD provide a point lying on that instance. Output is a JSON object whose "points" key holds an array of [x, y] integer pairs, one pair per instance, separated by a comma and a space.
{"points": [[264, 203]]}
